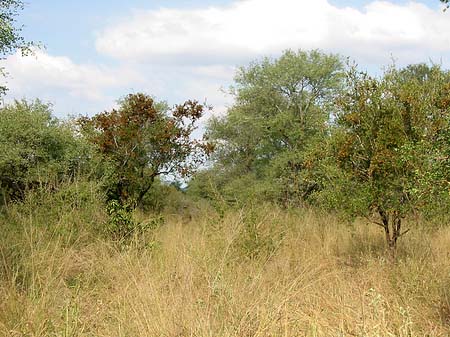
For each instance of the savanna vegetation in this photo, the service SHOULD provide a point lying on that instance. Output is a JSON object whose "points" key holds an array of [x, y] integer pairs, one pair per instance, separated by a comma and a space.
{"points": [[316, 206]]}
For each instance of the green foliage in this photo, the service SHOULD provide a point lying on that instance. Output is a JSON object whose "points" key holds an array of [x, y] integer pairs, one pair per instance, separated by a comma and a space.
{"points": [[281, 110], [388, 140], [71, 214], [389, 129], [164, 197], [10, 38], [158, 197], [10, 35], [37, 150], [143, 140], [121, 225], [260, 233], [301, 130]]}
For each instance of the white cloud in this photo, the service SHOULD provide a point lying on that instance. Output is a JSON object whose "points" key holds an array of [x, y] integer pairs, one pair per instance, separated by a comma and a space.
{"points": [[73, 88], [45, 72], [90, 88], [250, 28]]}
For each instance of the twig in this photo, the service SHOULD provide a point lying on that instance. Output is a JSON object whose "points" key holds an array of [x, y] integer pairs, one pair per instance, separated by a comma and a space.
{"points": [[405, 232]]}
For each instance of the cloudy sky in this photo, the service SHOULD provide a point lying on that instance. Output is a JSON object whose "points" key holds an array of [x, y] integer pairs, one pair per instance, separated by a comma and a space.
{"points": [[100, 50]]}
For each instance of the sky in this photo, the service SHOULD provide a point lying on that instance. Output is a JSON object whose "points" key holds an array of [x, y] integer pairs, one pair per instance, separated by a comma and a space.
{"points": [[97, 51]]}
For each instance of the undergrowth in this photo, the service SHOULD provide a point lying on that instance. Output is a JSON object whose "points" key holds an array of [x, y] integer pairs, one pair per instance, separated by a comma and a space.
{"points": [[253, 271]]}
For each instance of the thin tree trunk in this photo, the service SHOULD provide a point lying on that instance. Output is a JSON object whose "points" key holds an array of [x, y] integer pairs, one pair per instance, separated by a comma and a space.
{"points": [[392, 224]]}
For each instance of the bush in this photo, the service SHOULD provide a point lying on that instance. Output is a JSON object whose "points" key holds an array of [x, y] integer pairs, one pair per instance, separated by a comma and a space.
{"points": [[261, 233], [121, 226], [37, 150]]}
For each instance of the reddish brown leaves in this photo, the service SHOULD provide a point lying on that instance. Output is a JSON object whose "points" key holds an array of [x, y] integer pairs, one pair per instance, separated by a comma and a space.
{"points": [[189, 109], [143, 142]]}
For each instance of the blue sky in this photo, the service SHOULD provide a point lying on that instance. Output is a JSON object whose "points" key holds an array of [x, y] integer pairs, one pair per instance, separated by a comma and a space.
{"points": [[98, 51]]}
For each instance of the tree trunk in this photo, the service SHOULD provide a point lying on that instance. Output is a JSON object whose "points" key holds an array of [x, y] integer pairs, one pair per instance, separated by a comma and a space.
{"points": [[392, 224], [144, 191]]}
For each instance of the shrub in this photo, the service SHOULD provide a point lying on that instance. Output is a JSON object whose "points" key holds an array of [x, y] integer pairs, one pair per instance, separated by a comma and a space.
{"points": [[37, 150]]}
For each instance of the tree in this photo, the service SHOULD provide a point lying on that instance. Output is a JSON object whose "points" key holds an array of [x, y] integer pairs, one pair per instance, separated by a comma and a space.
{"points": [[10, 35], [142, 140], [36, 149], [433, 183], [387, 130], [281, 108]]}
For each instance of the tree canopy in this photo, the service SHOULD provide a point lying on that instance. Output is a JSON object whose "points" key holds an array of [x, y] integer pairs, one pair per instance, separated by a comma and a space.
{"points": [[36, 149], [387, 129], [280, 110], [142, 140]]}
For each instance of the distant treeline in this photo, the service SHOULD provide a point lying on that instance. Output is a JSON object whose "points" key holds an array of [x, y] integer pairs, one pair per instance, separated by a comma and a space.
{"points": [[304, 129]]}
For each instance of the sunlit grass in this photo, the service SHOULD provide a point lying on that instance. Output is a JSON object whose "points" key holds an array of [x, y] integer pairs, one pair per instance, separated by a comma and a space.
{"points": [[258, 271]]}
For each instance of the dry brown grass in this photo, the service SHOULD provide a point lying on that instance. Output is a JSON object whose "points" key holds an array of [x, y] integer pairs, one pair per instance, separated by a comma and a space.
{"points": [[255, 272]]}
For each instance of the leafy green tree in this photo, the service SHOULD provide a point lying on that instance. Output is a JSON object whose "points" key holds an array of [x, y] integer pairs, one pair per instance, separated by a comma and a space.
{"points": [[142, 140], [10, 35], [387, 131], [281, 108], [433, 182], [36, 149]]}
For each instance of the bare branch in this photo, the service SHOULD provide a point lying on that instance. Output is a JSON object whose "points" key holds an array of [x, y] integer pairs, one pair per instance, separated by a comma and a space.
{"points": [[405, 232]]}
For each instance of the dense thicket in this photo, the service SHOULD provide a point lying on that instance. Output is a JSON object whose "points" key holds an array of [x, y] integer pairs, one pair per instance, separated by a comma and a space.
{"points": [[37, 150]]}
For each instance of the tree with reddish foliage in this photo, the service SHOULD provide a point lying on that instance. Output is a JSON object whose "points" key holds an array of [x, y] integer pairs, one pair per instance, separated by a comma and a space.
{"points": [[142, 140]]}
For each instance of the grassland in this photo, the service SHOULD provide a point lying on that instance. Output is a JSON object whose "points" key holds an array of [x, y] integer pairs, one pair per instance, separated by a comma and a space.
{"points": [[256, 271]]}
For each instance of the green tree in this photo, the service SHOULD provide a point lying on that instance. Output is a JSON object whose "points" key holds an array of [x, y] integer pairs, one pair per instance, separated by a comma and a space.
{"points": [[10, 35], [36, 149], [387, 131], [281, 108], [142, 140], [433, 182]]}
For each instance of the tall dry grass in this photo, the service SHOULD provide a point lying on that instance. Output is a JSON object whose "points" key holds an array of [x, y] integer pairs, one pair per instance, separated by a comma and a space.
{"points": [[258, 271]]}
